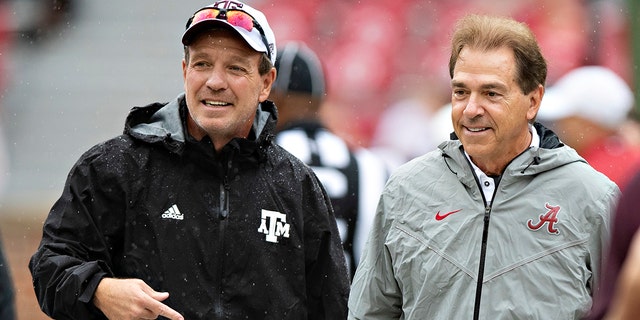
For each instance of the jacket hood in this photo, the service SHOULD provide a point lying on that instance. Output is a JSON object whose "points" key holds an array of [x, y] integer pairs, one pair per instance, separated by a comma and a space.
{"points": [[551, 153], [165, 123]]}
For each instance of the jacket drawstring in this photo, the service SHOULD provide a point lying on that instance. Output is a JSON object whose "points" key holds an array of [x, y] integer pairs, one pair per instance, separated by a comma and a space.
{"points": [[536, 160]]}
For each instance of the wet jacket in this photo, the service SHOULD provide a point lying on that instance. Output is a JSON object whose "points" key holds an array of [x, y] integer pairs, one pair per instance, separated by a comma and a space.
{"points": [[438, 251], [244, 233]]}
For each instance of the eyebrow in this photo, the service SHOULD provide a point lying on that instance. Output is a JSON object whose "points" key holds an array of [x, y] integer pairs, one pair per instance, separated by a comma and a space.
{"points": [[497, 86], [457, 84], [486, 86], [241, 59], [236, 58]]}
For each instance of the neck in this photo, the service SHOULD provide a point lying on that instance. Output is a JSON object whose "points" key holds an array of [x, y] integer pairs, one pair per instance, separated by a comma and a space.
{"points": [[219, 141], [490, 168], [493, 165]]}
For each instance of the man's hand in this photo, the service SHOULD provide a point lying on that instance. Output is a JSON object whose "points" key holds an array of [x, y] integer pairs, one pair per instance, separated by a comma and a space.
{"points": [[131, 299]]}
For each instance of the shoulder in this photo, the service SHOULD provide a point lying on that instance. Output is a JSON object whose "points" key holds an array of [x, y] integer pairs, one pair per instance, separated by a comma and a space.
{"points": [[581, 174], [419, 173], [292, 178], [113, 147], [112, 157], [425, 164], [578, 185], [281, 160]]}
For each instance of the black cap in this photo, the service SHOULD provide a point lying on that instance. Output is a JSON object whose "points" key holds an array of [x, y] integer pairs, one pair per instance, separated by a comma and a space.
{"points": [[299, 70]]}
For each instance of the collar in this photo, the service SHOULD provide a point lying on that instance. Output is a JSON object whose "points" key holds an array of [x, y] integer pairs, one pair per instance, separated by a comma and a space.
{"points": [[487, 183]]}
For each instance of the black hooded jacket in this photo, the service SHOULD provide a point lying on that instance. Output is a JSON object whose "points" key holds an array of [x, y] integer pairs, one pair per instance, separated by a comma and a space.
{"points": [[246, 233]]}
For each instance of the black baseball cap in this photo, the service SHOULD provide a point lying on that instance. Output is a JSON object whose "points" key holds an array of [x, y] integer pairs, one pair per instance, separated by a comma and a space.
{"points": [[299, 70]]}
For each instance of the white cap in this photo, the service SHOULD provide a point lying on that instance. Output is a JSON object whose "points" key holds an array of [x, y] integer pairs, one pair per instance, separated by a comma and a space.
{"points": [[594, 93], [254, 38]]}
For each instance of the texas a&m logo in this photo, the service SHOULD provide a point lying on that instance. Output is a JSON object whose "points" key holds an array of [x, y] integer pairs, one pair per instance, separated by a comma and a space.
{"points": [[549, 218], [276, 226], [228, 4]]}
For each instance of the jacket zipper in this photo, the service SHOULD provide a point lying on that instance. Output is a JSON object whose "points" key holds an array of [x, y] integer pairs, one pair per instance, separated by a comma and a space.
{"points": [[224, 198], [483, 254], [485, 233], [223, 215]]}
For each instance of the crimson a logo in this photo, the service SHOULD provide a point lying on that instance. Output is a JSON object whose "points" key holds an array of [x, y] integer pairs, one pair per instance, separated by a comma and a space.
{"points": [[550, 218]]}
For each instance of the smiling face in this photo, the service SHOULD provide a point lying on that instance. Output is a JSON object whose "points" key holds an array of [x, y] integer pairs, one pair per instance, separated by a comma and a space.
{"points": [[223, 86], [490, 113]]}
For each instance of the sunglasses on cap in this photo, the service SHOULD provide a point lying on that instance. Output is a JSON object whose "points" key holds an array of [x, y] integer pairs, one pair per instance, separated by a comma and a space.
{"points": [[236, 18]]}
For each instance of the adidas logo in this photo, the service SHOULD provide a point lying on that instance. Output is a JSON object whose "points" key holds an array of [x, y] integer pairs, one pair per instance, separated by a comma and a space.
{"points": [[173, 213]]}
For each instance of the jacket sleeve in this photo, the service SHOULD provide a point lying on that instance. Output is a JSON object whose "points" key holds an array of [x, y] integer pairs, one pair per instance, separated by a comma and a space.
{"points": [[327, 277], [73, 255], [375, 294]]}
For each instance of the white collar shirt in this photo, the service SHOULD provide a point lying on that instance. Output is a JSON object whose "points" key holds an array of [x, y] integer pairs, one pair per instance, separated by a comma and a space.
{"points": [[487, 183]]}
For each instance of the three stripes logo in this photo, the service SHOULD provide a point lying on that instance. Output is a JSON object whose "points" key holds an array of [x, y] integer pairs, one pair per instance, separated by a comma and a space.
{"points": [[173, 213]]}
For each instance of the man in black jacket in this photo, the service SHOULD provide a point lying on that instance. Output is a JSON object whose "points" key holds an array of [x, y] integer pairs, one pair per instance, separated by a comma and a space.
{"points": [[194, 212]]}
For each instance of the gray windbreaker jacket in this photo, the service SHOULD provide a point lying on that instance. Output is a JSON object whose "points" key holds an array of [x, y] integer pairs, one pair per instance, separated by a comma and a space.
{"points": [[536, 249]]}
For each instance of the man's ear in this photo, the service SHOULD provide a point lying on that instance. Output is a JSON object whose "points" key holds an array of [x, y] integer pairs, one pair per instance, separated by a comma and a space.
{"points": [[268, 80], [184, 69], [535, 100]]}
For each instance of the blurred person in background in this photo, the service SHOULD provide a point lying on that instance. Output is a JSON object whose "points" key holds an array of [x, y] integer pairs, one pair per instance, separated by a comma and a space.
{"points": [[194, 212], [37, 20], [413, 126], [588, 107], [503, 221], [6, 43], [619, 294], [353, 179], [7, 290]]}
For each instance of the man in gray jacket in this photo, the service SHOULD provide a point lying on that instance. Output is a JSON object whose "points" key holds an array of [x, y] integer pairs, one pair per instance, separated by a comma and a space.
{"points": [[501, 222]]}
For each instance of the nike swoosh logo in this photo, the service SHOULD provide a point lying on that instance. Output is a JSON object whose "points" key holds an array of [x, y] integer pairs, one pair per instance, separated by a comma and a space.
{"points": [[442, 216]]}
